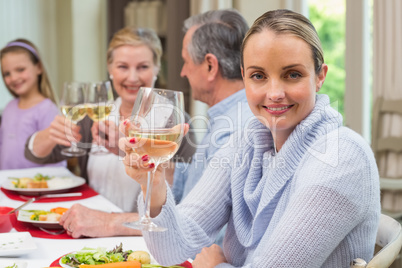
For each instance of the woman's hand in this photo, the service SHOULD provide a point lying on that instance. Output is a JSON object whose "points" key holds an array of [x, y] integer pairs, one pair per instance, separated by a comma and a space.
{"points": [[137, 166], [106, 133], [209, 257]]}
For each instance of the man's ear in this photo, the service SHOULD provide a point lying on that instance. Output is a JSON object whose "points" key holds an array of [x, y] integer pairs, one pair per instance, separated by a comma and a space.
{"points": [[212, 64]]}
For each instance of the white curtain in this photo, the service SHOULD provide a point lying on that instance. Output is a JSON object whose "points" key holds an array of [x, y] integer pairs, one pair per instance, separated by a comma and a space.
{"points": [[387, 73], [200, 6]]}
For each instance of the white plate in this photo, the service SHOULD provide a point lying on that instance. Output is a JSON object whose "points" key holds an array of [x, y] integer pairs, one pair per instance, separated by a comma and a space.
{"points": [[10, 262], [64, 184], [64, 265], [25, 216], [15, 244]]}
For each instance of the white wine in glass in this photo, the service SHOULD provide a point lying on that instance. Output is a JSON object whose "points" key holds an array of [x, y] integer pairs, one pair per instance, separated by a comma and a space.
{"points": [[72, 106], [99, 105], [157, 123]]}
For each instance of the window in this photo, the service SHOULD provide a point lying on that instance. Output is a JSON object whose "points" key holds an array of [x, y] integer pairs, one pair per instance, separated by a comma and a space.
{"points": [[328, 17]]}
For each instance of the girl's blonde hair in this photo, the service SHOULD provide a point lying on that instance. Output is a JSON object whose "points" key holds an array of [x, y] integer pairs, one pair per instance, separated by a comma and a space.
{"points": [[135, 37], [25, 46]]}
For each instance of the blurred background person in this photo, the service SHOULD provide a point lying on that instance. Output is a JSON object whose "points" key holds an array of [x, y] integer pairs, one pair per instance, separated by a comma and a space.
{"points": [[133, 59], [33, 108]]}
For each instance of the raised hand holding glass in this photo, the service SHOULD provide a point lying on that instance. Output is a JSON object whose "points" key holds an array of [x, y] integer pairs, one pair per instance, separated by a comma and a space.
{"points": [[72, 106], [157, 123], [99, 105]]}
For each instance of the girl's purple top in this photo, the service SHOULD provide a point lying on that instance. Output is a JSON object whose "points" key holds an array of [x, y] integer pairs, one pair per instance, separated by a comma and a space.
{"points": [[17, 125]]}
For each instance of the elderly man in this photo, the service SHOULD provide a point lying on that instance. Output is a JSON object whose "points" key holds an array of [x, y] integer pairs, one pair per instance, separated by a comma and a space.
{"points": [[211, 54]]}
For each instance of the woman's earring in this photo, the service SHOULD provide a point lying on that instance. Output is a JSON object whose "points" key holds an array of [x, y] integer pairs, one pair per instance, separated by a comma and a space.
{"points": [[111, 77]]}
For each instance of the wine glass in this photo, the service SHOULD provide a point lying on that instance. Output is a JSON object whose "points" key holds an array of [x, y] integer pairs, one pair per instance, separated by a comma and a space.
{"points": [[99, 105], [157, 122], [72, 106]]}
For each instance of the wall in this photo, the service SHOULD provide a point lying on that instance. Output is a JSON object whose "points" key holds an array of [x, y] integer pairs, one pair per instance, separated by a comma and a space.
{"points": [[81, 40], [33, 20], [70, 36]]}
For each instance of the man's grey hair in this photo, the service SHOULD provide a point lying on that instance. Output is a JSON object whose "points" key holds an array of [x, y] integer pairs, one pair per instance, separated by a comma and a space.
{"points": [[219, 32]]}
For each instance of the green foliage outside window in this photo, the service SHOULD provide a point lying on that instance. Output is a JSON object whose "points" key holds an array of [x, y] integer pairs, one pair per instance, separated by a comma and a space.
{"points": [[330, 25]]}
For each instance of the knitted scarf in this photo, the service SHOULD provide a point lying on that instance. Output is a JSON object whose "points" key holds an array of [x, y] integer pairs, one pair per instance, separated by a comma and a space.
{"points": [[265, 181]]}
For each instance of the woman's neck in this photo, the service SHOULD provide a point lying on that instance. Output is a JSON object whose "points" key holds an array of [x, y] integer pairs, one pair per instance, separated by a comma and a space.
{"points": [[280, 138], [125, 109]]}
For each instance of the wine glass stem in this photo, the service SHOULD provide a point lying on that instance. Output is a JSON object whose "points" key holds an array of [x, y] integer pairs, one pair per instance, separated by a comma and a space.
{"points": [[74, 146], [147, 207]]}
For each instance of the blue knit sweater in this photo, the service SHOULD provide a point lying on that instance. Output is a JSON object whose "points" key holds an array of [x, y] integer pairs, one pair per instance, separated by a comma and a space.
{"points": [[315, 203]]}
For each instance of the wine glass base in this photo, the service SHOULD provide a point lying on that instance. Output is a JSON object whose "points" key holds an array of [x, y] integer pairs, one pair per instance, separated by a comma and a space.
{"points": [[148, 227], [73, 153]]}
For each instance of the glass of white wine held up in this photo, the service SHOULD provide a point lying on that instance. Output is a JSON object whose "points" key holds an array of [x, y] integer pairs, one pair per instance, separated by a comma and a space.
{"points": [[157, 123], [72, 106], [99, 105]]}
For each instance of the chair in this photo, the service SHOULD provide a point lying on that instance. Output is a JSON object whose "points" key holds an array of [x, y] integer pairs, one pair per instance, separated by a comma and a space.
{"points": [[391, 188], [389, 239]]}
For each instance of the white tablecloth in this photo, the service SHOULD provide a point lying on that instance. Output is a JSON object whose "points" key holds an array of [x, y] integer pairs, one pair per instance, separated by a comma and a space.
{"points": [[49, 250]]}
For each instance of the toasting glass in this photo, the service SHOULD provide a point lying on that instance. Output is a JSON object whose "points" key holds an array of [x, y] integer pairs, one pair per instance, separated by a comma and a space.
{"points": [[99, 104], [157, 123], [72, 106]]}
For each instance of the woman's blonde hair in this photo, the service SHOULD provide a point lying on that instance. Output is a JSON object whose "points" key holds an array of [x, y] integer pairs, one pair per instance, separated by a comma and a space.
{"points": [[135, 37], [25, 46], [284, 21]]}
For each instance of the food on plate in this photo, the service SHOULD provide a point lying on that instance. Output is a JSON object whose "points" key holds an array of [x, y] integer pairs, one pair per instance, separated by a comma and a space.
{"points": [[38, 181], [42, 215], [96, 256], [142, 256], [99, 257], [126, 264]]}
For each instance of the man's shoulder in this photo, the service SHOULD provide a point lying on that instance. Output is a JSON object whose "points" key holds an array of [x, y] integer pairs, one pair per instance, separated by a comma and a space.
{"points": [[236, 108]]}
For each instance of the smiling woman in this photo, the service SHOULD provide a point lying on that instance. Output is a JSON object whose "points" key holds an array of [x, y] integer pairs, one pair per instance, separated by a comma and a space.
{"points": [[287, 188], [281, 92]]}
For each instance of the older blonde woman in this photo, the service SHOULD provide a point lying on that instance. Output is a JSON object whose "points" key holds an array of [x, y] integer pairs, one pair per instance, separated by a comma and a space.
{"points": [[134, 59]]}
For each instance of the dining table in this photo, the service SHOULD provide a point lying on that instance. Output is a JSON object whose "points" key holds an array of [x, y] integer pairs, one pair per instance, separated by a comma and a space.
{"points": [[48, 248]]}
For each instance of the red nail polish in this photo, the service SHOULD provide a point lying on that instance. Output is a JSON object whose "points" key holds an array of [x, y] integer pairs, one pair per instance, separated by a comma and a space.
{"points": [[152, 165], [125, 122], [133, 140], [145, 158]]}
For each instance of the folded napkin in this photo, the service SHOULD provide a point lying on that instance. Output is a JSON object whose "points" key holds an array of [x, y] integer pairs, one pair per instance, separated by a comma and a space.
{"points": [[84, 189]]}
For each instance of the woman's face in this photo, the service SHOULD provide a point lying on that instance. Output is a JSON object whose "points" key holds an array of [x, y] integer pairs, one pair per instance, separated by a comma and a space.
{"points": [[20, 74], [132, 67], [280, 80]]}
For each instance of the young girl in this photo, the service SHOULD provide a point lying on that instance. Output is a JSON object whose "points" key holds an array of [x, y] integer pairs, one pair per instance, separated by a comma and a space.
{"points": [[32, 109]]}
